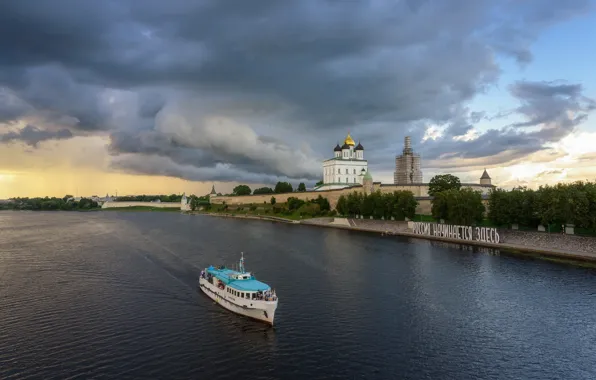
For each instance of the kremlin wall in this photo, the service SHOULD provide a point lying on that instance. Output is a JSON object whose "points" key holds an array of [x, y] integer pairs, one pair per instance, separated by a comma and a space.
{"points": [[348, 172], [424, 201]]}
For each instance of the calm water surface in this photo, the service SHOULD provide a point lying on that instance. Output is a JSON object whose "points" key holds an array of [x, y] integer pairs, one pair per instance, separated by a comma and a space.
{"points": [[113, 295]]}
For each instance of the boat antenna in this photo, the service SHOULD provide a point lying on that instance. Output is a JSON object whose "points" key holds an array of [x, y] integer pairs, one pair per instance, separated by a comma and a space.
{"points": [[242, 262]]}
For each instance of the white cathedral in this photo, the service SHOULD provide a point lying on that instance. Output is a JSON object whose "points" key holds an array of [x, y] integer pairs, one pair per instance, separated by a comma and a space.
{"points": [[346, 168]]}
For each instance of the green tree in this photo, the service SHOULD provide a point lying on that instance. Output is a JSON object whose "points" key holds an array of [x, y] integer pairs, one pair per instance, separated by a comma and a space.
{"points": [[463, 207], [272, 201], [323, 203], [320, 183], [498, 207], [440, 208], [443, 182], [378, 201], [367, 205], [263, 190], [283, 187], [467, 207], [354, 203], [342, 205], [194, 202], [242, 190], [309, 209], [294, 203], [404, 205], [301, 187]]}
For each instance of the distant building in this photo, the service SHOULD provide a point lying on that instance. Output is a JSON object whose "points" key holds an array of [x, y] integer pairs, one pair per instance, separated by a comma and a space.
{"points": [[407, 166], [347, 167], [185, 203], [213, 190], [485, 179]]}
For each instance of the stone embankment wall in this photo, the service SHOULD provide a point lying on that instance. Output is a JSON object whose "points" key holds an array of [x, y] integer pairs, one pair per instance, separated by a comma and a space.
{"points": [[545, 240], [557, 244], [141, 204]]}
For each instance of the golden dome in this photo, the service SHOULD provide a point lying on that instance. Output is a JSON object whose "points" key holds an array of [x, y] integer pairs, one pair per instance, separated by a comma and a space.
{"points": [[349, 140]]}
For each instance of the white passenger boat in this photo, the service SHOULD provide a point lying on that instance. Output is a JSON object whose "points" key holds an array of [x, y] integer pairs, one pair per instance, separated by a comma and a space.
{"points": [[240, 292]]}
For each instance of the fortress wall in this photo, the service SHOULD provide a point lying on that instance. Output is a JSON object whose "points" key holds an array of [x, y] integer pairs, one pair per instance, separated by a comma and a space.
{"points": [[331, 195], [424, 205], [419, 191], [115, 204]]}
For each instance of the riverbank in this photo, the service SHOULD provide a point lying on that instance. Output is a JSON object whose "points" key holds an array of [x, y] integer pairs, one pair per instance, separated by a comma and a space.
{"points": [[557, 247]]}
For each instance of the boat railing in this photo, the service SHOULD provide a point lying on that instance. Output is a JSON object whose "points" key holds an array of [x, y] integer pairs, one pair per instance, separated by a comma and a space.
{"points": [[267, 296]]}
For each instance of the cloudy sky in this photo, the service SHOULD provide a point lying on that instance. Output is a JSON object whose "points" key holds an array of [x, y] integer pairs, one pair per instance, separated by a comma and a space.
{"points": [[169, 96]]}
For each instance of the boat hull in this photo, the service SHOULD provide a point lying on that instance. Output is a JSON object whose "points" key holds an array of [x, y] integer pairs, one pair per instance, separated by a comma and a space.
{"points": [[260, 310]]}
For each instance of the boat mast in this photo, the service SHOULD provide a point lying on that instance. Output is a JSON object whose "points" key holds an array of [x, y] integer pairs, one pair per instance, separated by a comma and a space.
{"points": [[242, 262]]}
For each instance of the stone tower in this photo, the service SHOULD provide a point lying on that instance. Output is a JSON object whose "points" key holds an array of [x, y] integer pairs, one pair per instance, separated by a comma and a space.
{"points": [[367, 183], [485, 179], [407, 166]]}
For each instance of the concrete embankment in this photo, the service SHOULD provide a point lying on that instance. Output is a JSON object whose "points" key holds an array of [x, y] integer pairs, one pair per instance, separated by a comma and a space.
{"points": [[538, 243]]}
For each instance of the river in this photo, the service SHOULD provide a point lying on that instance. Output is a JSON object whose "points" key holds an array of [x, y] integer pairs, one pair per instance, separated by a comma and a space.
{"points": [[113, 295]]}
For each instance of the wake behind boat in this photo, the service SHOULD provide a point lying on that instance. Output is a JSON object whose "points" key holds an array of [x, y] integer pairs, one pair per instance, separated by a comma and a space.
{"points": [[239, 291]]}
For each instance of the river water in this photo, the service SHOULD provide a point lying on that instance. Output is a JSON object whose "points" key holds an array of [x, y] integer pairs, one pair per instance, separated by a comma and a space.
{"points": [[113, 295]]}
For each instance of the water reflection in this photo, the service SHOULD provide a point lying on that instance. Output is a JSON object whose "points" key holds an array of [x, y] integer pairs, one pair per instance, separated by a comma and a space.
{"points": [[114, 295], [465, 247]]}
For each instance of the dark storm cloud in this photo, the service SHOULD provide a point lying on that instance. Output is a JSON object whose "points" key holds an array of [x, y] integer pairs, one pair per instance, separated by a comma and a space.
{"points": [[11, 107], [32, 135], [277, 68], [546, 102]]}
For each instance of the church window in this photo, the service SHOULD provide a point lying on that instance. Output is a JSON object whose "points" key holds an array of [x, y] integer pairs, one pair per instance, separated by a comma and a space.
{"points": [[338, 180], [338, 171], [346, 171], [354, 180], [346, 179], [354, 172]]}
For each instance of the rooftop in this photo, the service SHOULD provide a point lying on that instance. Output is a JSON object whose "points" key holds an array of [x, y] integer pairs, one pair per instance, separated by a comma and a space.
{"points": [[225, 275], [343, 159], [349, 141]]}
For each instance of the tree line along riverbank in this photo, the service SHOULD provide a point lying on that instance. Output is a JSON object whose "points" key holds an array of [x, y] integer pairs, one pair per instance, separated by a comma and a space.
{"points": [[560, 208], [553, 209]]}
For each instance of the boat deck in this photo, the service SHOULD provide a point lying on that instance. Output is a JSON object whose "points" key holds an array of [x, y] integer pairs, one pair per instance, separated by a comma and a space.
{"points": [[226, 276]]}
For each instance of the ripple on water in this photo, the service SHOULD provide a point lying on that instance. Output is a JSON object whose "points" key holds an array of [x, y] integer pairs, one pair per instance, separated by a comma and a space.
{"points": [[113, 295]]}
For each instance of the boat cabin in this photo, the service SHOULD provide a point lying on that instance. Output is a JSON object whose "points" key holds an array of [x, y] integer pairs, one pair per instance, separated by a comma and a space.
{"points": [[239, 284]]}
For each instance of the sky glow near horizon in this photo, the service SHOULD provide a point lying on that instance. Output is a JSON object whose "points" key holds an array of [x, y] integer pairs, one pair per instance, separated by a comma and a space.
{"points": [[172, 97]]}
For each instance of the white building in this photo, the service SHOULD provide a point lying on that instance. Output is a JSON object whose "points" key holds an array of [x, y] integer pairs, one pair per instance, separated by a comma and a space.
{"points": [[346, 168]]}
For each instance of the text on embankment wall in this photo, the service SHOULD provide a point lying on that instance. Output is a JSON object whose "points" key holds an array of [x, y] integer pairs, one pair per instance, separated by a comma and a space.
{"points": [[483, 234]]}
